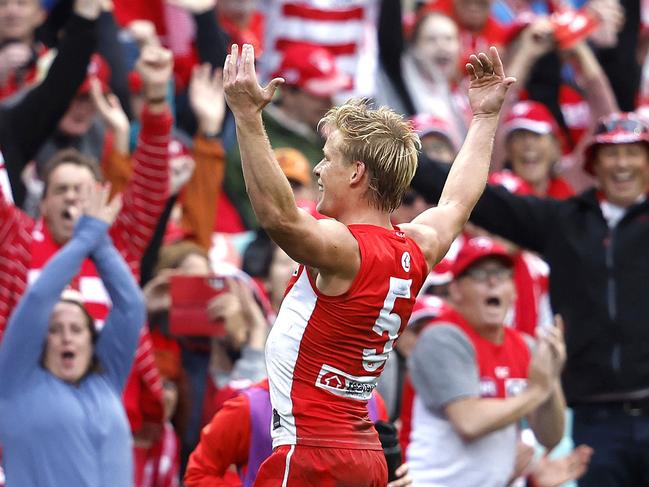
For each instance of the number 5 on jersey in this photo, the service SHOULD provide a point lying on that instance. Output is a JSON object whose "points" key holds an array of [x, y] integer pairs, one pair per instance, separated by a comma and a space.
{"points": [[387, 322]]}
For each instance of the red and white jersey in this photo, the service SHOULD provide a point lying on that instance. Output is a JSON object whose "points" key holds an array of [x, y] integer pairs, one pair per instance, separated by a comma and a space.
{"points": [[347, 28], [324, 353], [87, 281]]}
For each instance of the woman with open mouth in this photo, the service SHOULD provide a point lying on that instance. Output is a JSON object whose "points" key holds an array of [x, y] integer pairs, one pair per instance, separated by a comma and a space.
{"points": [[61, 417]]}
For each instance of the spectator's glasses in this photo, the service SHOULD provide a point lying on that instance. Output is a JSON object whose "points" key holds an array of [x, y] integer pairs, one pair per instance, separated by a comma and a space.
{"points": [[626, 125], [484, 274]]}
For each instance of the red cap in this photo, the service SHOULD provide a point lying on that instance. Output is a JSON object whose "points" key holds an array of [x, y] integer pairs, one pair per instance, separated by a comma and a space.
{"points": [[532, 116], [475, 249], [425, 124], [313, 69], [97, 68], [616, 128]]}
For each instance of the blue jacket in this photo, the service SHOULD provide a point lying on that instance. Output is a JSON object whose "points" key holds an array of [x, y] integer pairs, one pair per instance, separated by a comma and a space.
{"points": [[55, 433]]}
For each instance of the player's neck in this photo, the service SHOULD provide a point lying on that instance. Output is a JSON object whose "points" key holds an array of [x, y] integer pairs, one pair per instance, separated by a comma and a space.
{"points": [[365, 216]]}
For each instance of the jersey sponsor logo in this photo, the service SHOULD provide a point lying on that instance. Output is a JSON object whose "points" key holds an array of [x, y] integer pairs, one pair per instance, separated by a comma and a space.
{"points": [[346, 385], [513, 387], [405, 261], [488, 387]]}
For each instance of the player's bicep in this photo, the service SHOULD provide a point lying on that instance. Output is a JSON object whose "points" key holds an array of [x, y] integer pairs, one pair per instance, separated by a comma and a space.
{"points": [[322, 244], [446, 221]]}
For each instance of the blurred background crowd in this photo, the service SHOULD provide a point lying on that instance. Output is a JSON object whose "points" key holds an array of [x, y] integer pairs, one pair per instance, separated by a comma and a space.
{"points": [[79, 98]]}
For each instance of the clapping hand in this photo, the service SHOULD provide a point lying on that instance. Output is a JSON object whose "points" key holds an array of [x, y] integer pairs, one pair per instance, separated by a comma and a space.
{"points": [[488, 84], [97, 205]]}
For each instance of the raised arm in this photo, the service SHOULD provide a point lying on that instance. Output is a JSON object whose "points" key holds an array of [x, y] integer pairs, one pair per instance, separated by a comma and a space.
{"points": [[22, 346], [468, 175], [146, 194], [324, 244], [119, 337], [202, 190], [26, 125]]}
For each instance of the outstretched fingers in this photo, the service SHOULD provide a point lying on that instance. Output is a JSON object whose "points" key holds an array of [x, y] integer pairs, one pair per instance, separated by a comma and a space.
{"points": [[270, 88], [248, 60], [230, 66], [478, 70], [487, 67], [496, 62]]}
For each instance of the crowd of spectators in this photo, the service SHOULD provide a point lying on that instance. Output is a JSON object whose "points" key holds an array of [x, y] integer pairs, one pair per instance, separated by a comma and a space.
{"points": [[130, 93]]}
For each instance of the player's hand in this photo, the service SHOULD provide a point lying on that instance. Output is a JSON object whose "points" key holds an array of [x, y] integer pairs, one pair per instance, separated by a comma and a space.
{"points": [[207, 99], [488, 84], [245, 97], [403, 477]]}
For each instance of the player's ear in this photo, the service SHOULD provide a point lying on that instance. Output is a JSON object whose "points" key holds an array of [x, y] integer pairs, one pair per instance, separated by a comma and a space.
{"points": [[359, 171]]}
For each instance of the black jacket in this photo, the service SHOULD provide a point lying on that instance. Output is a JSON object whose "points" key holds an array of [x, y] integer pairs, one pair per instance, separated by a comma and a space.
{"points": [[599, 279], [26, 125]]}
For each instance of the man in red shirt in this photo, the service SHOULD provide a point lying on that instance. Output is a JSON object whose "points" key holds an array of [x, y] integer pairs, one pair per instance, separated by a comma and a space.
{"points": [[355, 288]]}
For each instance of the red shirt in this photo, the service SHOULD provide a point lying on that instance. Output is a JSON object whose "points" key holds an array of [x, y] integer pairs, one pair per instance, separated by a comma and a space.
{"points": [[324, 353]]}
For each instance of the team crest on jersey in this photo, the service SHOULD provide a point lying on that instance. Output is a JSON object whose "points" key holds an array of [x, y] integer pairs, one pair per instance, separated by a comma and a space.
{"points": [[501, 371], [343, 384], [405, 261]]}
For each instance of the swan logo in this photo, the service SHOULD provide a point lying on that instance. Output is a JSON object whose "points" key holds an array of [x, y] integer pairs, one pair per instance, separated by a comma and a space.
{"points": [[405, 261]]}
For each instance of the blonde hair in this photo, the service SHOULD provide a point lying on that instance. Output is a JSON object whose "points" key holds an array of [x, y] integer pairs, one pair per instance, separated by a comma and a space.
{"points": [[383, 141]]}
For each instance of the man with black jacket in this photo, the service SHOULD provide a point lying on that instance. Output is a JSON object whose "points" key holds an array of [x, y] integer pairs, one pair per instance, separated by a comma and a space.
{"points": [[25, 125], [597, 245]]}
